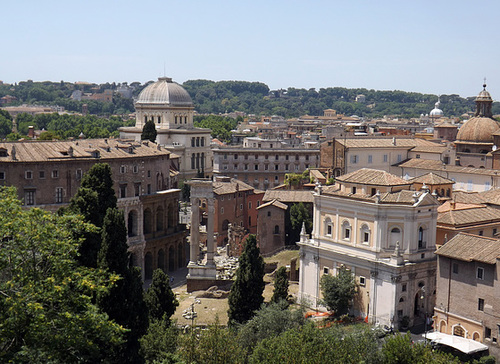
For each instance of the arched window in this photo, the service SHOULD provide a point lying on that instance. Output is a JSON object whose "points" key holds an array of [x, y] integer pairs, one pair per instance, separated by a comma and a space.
{"points": [[346, 230], [132, 223], [203, 141], [422, 238], [192, 141], [147, 221], [365, 234], [225, 225], [276, 229], [458, 331], [160, 216]]}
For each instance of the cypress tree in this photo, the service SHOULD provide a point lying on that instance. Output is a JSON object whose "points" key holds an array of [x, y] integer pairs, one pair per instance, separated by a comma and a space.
{"points": [[280, 286], [246, 292], [124, 302], [93, 198], [159, 298], [149, 131]]}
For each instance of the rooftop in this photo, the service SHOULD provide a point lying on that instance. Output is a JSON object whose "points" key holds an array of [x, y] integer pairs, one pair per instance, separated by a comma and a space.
{"points": [[468, 248]]}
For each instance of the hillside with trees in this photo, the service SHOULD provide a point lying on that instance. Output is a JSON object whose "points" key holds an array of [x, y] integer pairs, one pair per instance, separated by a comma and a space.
{"points": [[216, 97]]}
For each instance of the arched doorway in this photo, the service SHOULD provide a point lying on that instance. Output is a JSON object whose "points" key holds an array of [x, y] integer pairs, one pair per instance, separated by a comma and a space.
{"points": [[171, 259], [442, 326], [148, 266], [161, 259], [180, 256], [132, 223]]}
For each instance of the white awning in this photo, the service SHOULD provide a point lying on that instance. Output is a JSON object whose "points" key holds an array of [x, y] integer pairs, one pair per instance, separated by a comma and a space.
{"points": [[466, 346]]}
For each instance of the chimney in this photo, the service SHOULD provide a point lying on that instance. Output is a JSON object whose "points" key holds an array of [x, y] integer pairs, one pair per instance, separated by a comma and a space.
{"points": [[31, 131]]}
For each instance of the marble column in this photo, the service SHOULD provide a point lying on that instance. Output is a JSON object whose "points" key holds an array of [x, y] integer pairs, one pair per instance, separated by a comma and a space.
{"points": [[194, 240], [210, 233]]}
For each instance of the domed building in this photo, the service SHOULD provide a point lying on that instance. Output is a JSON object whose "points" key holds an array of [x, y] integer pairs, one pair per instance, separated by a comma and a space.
{"points": [[475, 140], [436, 113], [171, 108]]}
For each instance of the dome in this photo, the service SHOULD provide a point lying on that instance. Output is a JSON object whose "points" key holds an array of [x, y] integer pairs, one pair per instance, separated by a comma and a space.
{"points": [[478, 130], [436, 112], [165, 92]]}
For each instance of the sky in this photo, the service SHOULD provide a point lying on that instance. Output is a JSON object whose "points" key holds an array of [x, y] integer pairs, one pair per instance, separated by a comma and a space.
{"points": [[437, 47]]}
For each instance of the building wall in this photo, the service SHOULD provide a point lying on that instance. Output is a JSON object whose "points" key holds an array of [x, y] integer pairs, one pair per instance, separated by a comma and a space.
{"points": [[263, 168], [457, 301], [271, 229]]}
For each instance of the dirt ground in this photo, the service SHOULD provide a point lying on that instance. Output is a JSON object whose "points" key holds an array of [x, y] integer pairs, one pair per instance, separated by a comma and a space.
{"points": [[209, 308]]}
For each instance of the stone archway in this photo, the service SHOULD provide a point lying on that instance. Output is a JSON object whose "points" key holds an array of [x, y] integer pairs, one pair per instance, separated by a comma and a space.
{"points": [[148, 266], [171, 259]]}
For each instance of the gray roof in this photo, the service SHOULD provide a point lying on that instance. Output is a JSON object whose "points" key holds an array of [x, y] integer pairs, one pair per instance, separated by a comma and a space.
{"points": [[374, 177], [165, 92], [470, 248], [289, 196]]}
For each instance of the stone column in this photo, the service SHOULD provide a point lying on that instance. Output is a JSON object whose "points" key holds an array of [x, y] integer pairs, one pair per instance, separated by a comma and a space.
{"points": [[194, 240], [210, 232]]}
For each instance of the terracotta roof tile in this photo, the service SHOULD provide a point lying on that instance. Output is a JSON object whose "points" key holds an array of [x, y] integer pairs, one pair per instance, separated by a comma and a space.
{"points": [[474, 215], [431, 179], [289, 196]]}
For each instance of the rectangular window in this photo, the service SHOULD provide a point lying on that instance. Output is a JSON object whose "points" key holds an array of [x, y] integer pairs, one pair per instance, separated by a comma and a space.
{"points": [[225, 155], [236, 156], [276, 167], [41, 174], [481, 232], [136, 169], [329, 230], [400, 158], [487, 332], [417, 156], [266, 167], [79, 174], [2, 176], [122, 169], [222, 210], [494, 229], [354, 159], [137, 189], [256, 167], [276, 157], [149, 188], [28, 175], [246, 167], [403, 288], [241, 206], [246, 156], [370, 159], [385, 158], [59, 194], [286, 157], [249, 205], [362, 281], [55, 173], [480, 273], [326, 270], [149, 173], [269, 214], [286, 167], [123, 191], [455, 268], [480, 304]]}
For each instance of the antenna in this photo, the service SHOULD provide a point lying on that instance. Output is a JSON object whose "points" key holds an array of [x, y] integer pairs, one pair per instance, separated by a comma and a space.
{"points": [[164, 73]]}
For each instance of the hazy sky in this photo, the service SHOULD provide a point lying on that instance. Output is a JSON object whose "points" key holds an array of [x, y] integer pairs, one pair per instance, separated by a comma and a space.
{"points": [[439, 47]]}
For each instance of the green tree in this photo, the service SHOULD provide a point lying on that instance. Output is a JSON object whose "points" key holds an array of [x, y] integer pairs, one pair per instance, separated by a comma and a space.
{"points": [[47, 311], [338, 291], [159, 298], [5, 123], [149, 131], [246, 292], [299, 214], [93, 198], [215, 345], [270, 321], [123, 303], [159, 344], [280, 292]]}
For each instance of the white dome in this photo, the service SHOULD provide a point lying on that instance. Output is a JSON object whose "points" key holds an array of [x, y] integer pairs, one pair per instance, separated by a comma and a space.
{"points": [[436, 112], [164, 92]]}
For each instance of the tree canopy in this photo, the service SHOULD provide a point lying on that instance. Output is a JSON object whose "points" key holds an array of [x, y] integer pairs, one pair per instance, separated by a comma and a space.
{"points": [[47, 311], [159, 298], [280, 292], [149, 131], [338, 291]]}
